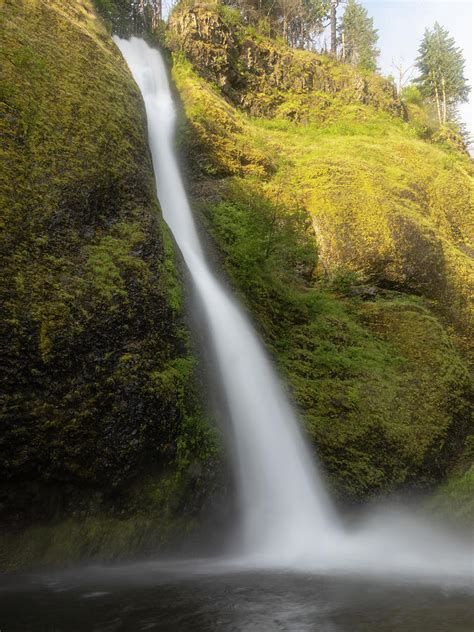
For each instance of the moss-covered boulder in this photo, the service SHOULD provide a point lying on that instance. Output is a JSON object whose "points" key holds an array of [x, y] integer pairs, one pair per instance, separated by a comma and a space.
{"points": [[399, 213], [97, 371]]}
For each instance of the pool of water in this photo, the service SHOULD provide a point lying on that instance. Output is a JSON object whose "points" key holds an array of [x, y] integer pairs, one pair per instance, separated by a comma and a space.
{"points": [[173, 597]]}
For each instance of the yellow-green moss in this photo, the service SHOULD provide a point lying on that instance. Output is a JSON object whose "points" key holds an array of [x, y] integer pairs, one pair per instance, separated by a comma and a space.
{"points": [[385, 204], [156, 511], [454, 499], [97, 387], [382, 387], [211, 117]]}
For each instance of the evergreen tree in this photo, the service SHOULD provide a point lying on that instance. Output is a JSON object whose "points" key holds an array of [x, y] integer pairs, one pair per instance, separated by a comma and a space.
{"points": [[126, 17], [299, 22], [358, 37], [441, 67], [304, 22]]}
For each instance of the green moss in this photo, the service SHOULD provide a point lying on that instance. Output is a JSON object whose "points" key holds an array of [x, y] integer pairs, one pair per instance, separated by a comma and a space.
{"points": [[347, 200], [99, 381], [151, 514], [212, 117], [172, 280], [386, 205], [382, 389], [85, 539], [454, 500]]}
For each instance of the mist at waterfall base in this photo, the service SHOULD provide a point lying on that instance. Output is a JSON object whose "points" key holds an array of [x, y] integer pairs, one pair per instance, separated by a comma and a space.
{"points": [[287, 518]]}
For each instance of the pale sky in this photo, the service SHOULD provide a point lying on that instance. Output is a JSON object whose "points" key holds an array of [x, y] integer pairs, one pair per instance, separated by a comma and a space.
{"points": [[401, 24]]}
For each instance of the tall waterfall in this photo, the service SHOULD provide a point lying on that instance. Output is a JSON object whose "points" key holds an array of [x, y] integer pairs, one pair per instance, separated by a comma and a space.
{"points": [[283, 503], [285, 511]]}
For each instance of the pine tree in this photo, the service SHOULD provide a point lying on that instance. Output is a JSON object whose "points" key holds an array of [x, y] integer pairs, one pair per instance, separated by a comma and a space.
{"points": [[441, 67], [126, 17], [358, 37], [306, 21]]}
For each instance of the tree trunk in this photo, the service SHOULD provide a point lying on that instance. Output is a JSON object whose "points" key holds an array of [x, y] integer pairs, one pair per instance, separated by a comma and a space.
{"points": [[141, 15], [436, 91], [285, 27], [445, 106], [333, 27], [438, 106], [400, 78]]}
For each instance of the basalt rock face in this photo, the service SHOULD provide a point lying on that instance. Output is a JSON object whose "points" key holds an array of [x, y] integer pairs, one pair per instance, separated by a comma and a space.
{"points": [[265, 77], [97, 371], [208, 42]]}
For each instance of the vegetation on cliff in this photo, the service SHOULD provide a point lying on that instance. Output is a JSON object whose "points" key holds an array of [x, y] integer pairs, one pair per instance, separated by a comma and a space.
{"points": [[341, 218], [347, 235], [455, 498], [266, 78], [99, 416]]}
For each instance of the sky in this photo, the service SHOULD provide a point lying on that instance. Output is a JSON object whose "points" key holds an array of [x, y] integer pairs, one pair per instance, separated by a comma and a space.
{"points": [[401, 24]]}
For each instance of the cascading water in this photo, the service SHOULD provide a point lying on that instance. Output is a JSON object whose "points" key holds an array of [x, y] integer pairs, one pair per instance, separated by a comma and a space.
{"points": [[285, 511], [283, 502]]}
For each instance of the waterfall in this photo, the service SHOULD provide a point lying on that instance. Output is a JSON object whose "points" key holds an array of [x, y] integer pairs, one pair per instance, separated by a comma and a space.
{"points": [[286, 515], [283, 503]]}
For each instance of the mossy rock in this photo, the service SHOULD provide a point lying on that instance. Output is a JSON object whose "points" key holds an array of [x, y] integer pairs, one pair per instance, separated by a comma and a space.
{"points": [[378, 373], [454, 499], [398, 211], [98, 373], [267, 78]]}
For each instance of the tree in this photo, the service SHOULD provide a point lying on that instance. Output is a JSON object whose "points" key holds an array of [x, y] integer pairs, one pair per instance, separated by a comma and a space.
{"points": [[127, 17], [403, 74], [149, 13], [297, 21], [359, 37], [289, 11], [333, 21], [441, 67], [156, 13], [305, 21]]}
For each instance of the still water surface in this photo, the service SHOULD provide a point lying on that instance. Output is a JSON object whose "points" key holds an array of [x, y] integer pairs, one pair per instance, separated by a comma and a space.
{"points": [[177, 599]]}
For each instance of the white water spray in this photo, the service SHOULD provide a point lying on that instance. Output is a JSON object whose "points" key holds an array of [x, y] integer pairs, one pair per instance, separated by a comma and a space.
{"points": [[286, 514], [283, 503]]}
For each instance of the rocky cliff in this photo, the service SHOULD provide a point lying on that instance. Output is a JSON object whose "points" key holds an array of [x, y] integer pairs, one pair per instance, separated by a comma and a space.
{"points": [[266, 78], [348, 236], [345, 233], [99, 417]]}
